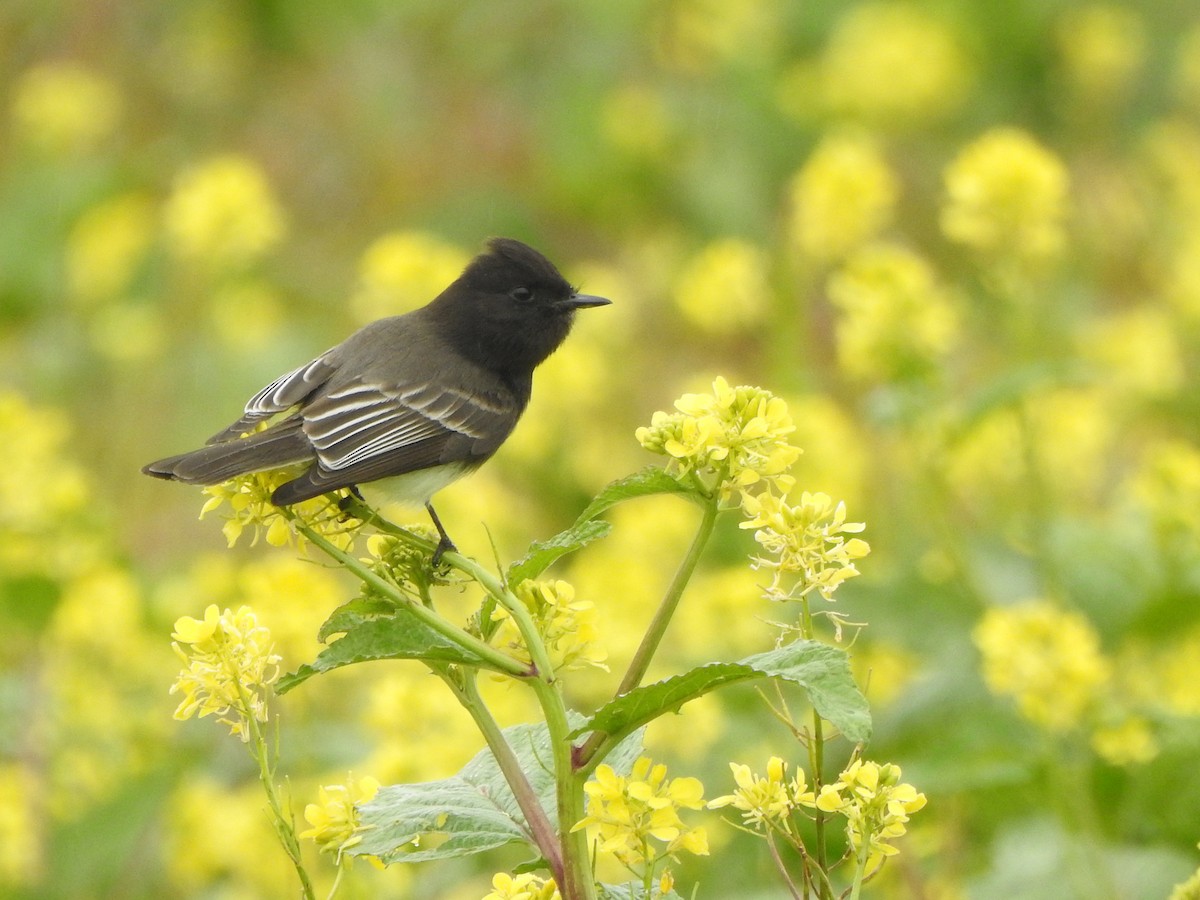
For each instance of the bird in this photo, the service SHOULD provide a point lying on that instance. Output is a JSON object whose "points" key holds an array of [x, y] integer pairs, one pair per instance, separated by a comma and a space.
{"points": [[409, 403]]}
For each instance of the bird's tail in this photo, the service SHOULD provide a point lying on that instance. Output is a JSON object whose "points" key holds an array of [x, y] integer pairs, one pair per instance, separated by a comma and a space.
{"points": [[282, 445]]}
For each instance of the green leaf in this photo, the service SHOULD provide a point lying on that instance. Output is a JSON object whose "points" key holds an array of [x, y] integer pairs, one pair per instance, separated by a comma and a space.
{"points": [[542, 554], [374, 630], [822, 670], [470, 812], [651, 480]]}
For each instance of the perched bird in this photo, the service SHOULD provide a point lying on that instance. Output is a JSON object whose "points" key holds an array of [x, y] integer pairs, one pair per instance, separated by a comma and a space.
{"points": [[419, 399]]}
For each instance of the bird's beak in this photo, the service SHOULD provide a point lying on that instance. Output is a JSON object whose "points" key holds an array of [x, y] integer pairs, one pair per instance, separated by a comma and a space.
{"points": [[582, 301]]}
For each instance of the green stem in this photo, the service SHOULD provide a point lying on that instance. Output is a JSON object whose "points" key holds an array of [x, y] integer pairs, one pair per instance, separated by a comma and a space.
{"points": [[284, 829], [860, 869], [594, 749], [501, 662], [816, 763], [535, 816], [577, 882]]}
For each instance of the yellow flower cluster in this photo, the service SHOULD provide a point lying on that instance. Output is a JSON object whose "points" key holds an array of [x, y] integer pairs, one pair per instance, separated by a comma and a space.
{"points": [[42, 492], [65, 107], [107, 244], [223, 214], [893, 64], [566, 626], [1006, 197], [525, 886], [250, 506], [403, 270], [230, 665], [807, 540], [765, 801], [1046, 658], [895, 321], [732, 439], [844, 194], [876, 804], [625, 812], [724, 287], [1103, 48], [334, 817]]}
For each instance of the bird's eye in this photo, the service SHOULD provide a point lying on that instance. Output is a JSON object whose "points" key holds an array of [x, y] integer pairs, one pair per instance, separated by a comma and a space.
{"points": [[521, 293]]}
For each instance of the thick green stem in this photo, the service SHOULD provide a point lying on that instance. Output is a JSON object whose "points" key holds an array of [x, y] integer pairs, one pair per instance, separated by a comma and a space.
{"points": [[577, 882], [816, 762], [535, 816]]}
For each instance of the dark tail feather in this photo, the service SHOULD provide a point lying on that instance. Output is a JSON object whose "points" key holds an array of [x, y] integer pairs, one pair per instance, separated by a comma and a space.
{"points": [[280, 446]]}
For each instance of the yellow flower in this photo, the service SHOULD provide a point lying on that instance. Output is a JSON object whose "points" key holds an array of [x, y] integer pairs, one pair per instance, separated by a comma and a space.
{"points": [[21, 862], [725, 287], [223, 214], [249, 500], [106, 246], [403, 270], [230, 666], [566, 626], [892, 64], [732, 438], [65, 107], [844, 195], [1126, 743], [625, 812], [525, 886], [1137, 350], [1047, 659], [876, 804], [1006, 196], [764, 801], [1103, 48], [808, 540], [895, 321], [334, 817]]}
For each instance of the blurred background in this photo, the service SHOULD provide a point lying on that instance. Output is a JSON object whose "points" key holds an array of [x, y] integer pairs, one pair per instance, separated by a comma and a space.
{"points": [[962, 240]]}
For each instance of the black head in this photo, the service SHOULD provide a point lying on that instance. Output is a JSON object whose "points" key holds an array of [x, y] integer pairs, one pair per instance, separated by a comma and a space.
{"points": [[510, 308]]}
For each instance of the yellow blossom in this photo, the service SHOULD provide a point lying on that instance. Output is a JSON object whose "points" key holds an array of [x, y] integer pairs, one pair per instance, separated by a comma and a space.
{"points": [[764, 801], [807, 540], [1126, 743], [1047, 659], [844, 195], [250, 507], [1006, 197], [625, 812], [876, 804], [107, 244], [1137, 350], [21, 862], [892, 64], [65, 107], [525, 886], [566, 626], [334, 817], [1103, 48], [725, 287], [230, 665], [735, 437], [403, 270], [223, 214], [1166, 486], [895, 321]]}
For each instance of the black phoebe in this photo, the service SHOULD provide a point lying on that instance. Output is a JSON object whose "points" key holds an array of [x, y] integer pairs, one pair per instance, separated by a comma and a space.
{"points": [[420, 399]]}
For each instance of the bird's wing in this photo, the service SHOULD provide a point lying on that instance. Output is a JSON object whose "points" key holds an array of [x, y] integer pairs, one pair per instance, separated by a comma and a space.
{"points": [[279, 396], [363, 431]]}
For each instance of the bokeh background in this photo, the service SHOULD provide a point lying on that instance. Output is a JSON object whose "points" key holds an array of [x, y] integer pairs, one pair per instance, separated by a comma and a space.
{"points": [[962, 239]]}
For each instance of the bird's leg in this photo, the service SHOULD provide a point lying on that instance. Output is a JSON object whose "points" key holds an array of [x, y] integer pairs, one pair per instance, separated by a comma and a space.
{"points": [[444, 543], [346, 502]]}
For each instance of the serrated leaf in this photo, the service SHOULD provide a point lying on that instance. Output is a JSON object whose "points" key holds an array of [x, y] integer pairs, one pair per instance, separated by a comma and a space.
{"points": [[367, 638], [643, 483], [822, 670], [542, 554], [472, 811]]}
